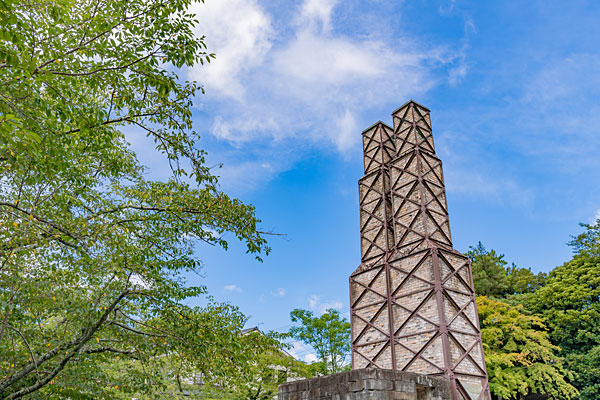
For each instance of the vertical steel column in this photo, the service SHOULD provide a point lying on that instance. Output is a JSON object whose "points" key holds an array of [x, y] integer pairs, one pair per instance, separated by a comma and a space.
{"points": [[388, 284]]}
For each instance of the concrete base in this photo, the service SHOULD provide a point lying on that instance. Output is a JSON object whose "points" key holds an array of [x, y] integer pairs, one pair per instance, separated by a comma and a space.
{"points": [[371, 383]]}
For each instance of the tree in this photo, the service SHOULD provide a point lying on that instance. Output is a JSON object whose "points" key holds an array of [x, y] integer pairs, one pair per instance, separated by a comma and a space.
{"points": [[586, 370], [523, 281], [492, 278], [260, 381], [92, 251], [174, 375], [489, 273], [570, 304], [328, 335], [260, 378], [567, 300], [587, 243], [254, 377], [519, 357]]}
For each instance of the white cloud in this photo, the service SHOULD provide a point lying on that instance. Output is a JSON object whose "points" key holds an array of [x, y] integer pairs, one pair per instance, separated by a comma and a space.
{"points": [[459, 70], [238, 131], [557, 106], [232, 288], [244, 176], [334, 61], [315, 304], [303, 352], [597, 217], [456, 74], [313, 12], [315, 86], [481, 183], [313, 301], [446, 10], [310, 358], [566, 79], [328, 91], [139, 281], [301, 83], [279, 292], [347, 128], [239, 32]]}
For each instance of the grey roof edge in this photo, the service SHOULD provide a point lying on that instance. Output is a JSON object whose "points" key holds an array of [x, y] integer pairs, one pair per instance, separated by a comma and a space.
{"points": [[408, 102], [374, 125]]}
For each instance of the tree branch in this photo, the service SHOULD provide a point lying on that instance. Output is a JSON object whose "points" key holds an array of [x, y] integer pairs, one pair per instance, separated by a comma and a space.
{"points": [[96, 350], [138, 332], [75, 345]]}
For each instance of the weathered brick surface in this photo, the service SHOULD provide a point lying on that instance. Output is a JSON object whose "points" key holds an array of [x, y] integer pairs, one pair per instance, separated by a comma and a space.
{"points": [[412, 299], [368, 384]]}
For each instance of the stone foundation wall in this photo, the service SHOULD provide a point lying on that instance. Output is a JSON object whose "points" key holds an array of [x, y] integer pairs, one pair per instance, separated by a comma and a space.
{"points": [[372, 383]]}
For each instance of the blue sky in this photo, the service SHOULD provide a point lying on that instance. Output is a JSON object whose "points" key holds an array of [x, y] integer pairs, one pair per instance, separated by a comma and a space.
{"points": [[514, 91]]}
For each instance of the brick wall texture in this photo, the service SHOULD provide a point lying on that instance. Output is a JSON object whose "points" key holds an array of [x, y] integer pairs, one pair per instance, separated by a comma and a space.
{"points": [[412, 300]]}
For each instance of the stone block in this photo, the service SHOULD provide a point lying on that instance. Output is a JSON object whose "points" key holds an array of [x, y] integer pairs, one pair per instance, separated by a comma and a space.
{"points": [[401, 396], [405, 387], [372, 384], [357, 386], [379, 384]]}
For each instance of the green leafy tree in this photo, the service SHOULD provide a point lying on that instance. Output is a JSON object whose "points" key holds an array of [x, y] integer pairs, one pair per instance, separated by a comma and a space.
{"points": [[492, 278], [585, 367], [259, 379], [570, 304], [255, 376], [262, 377], [93, 253], [588, 242], [174, 374], [328, 335], [519, 357], [489, 273], [523, 281]]}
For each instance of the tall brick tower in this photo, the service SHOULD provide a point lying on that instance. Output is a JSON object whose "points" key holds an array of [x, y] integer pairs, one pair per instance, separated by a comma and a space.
{"points": [[412, 300]]}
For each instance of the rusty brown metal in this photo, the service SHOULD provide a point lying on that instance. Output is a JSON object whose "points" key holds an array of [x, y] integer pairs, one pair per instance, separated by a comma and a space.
{"points": [[412, 299]]}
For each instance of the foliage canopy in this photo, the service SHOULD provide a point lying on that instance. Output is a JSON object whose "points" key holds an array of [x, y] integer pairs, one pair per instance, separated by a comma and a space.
{"points": [[328, 334], [492, 278], [519, 356], [260, 378], [489, 273], [562, 306], [93, 253], [570, 304]]}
